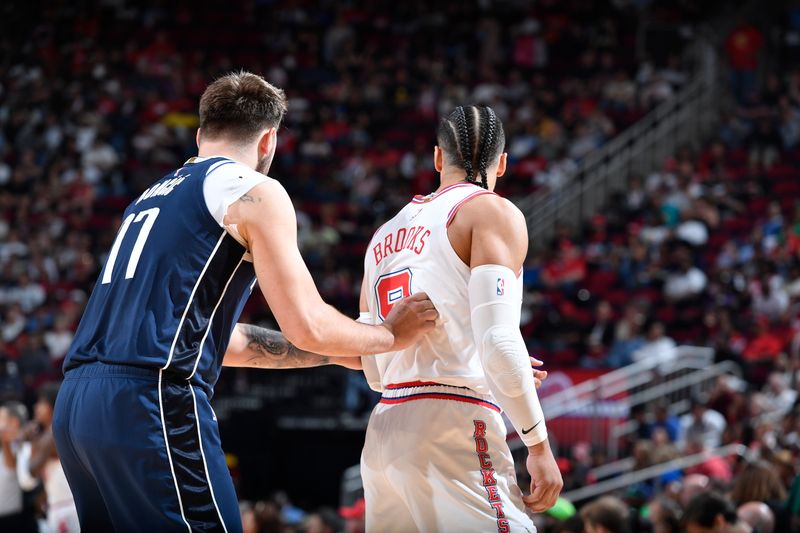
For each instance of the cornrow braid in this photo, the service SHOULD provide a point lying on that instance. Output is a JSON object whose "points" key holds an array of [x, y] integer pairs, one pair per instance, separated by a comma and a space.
{"points": [[465, 143], [487, 143], [472, 142]]}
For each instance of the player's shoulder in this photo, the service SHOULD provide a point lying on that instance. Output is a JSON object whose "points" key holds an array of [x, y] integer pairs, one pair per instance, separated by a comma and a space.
{"points": [[491, 207], [240, 177], [228, 168]]}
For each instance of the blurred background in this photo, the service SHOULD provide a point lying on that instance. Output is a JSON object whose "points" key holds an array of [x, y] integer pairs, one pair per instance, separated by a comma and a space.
{"points": [[654, 146]]}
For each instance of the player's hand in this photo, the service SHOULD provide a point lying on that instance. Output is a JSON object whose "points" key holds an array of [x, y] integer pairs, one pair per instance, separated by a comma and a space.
{"points": [[410, 319], [353, 363], [546, 482], [538, 375]]}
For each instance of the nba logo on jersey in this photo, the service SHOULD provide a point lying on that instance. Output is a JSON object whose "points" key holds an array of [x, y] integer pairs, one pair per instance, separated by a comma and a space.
{"points": [[501, 286]]}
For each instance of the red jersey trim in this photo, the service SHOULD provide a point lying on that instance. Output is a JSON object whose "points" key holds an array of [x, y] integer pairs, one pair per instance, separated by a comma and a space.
{"points": [[456, 207], [403, 385], [419, 199], [440, 396]]}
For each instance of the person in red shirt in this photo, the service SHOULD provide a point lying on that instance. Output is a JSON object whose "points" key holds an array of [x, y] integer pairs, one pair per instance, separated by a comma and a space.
{"points": [[765, 346], [743, 46], [567, 268]]}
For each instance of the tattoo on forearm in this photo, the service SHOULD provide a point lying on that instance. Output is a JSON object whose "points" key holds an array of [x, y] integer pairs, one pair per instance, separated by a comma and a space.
{"points": [[270, 349]]}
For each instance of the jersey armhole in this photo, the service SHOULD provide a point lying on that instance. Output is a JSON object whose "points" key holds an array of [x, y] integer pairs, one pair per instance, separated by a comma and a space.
{"points": [[454, 210], [452, 215], [221, 191]]}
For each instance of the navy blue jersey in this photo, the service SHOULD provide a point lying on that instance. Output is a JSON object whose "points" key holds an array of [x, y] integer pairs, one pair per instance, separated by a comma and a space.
{"points": [[174, 283]]}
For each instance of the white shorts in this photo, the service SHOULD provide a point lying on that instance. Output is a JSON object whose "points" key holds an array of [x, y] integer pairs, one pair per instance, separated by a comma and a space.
{"points": [[436, 460]]}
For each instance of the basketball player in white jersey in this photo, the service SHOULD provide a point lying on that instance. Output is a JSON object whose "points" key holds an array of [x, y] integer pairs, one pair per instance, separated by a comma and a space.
{"points": [[435, 456]]}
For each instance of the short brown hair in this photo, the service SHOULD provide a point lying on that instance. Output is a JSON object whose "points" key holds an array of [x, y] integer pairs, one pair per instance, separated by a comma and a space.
{"points": [[239, 106], [609, 512]]}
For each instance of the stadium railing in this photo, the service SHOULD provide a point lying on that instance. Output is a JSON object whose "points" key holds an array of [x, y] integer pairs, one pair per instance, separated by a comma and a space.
{"points": [[677, 393], [684, 119], [597, 410], [653, 472]]}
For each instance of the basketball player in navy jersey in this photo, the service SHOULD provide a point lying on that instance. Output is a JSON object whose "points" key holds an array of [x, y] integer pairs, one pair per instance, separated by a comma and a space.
{"points": [[133, 424]]}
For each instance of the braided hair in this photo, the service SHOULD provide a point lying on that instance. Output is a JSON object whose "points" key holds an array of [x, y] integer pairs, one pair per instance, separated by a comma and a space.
{"points": [[472, 138]]}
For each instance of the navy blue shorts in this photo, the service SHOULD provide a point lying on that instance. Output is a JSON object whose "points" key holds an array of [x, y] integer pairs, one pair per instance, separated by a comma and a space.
{"points": [[142, 452]]}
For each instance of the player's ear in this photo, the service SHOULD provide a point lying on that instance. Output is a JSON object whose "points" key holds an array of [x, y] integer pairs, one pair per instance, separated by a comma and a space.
{"points": [[266, 141], [197, 138], [502, 164], [438, 158]]}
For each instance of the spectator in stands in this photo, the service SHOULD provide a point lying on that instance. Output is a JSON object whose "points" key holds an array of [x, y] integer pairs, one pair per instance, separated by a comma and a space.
{"points": [[702, 425], [59, 338], [778, 393], [765, 346], [743, 46], [600, 335], [726, 399], [664, 450], [657, 347], [13, 415], [10, 382], [757, 515], [324, 520], [567, 268], [607, 514], [662, 419], [714, 467], [691, 486], [664, 515], [39, 464], [712, 513], [354, 517], [686, 281], [628, 337], [758, 482]]}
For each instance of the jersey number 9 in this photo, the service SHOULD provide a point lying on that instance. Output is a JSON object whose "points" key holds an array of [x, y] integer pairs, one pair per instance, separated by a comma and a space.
{"points": [[390, 289]]}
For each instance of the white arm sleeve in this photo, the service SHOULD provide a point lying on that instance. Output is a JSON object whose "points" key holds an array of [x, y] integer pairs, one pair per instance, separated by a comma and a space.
{"points": [[226, 182], [495, 300], [368, 363], [24, 478]]}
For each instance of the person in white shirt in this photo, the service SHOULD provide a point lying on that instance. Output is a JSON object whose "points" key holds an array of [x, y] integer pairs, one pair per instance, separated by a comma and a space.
{"points": [[41, 462], [658, 347], [12, 416], [702, 424], [687, 281]]}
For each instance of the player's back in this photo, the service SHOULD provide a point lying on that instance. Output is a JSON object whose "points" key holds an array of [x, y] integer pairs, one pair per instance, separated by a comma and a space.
{"points": [[412, 253], [174, 282]]}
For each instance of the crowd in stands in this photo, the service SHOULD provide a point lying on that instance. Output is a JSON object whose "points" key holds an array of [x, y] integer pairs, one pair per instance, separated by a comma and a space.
{"points": [[98, 101], [704, 252]]}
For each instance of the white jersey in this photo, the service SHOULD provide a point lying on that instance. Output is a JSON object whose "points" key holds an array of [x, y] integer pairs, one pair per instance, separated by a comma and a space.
{"points": [[412, 253]]}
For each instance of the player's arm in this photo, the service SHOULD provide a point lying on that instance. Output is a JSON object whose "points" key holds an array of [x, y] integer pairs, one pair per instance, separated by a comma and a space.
{"points": [[265, 219], [42, 449], [368, 364], [256, 347], [497, 245]]}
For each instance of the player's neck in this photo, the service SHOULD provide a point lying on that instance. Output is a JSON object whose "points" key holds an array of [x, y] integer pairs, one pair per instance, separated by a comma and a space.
{"points": [[451, 177], [219, 149]]}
